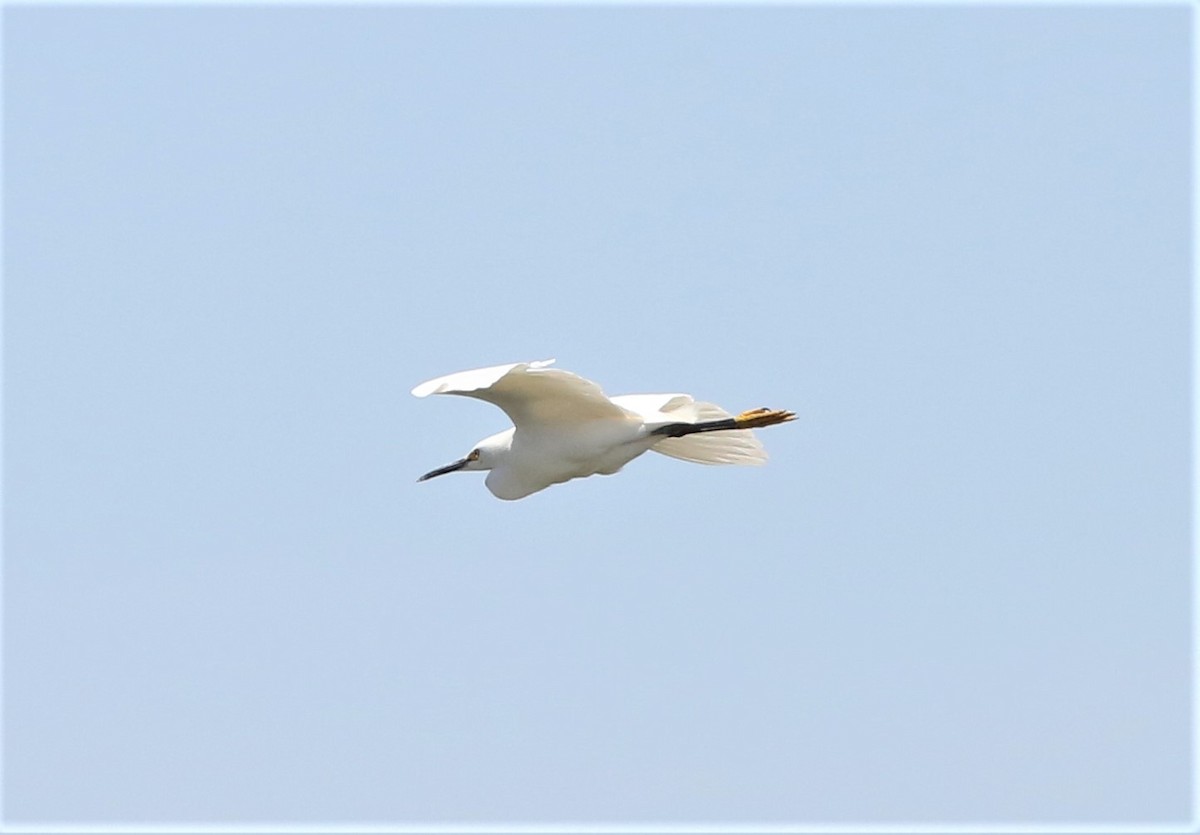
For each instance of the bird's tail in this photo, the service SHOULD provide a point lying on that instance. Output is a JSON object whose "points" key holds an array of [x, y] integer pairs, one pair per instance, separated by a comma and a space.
{"points": [[734, 446]]}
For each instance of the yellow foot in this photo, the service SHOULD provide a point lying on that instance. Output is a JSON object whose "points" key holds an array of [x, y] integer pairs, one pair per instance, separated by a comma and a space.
{"points": [[758, 418]]}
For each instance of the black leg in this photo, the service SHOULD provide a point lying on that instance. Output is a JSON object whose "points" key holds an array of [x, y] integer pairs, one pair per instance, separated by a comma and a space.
{"points": [[753, 419]]}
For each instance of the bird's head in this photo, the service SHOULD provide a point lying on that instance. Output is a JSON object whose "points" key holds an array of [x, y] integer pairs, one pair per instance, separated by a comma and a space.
{"points": [[486, 455]]}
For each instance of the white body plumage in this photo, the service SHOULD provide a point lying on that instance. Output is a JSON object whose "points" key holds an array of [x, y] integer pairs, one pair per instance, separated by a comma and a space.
{"points": [[565, 427]]}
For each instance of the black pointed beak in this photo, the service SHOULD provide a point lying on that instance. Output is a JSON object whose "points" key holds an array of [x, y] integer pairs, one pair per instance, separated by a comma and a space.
{"points": [[449, 468]]}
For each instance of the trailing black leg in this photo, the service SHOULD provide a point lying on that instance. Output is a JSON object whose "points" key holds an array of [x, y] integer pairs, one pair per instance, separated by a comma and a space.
{"points": [[753, 419]]}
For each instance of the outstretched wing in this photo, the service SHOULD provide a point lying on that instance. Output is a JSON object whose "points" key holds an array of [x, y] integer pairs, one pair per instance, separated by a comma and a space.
{"points": [[530, 393]]}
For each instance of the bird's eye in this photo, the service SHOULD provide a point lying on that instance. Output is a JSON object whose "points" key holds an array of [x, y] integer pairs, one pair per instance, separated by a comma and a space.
{"points": [[473, 456]]}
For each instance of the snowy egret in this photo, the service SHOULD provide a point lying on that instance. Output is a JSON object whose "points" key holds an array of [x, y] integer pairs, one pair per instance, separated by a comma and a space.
{"points": [[565, 427]]}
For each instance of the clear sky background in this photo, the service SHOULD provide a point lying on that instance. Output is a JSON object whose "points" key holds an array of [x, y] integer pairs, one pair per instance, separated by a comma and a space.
{"points": [[954, 240]]}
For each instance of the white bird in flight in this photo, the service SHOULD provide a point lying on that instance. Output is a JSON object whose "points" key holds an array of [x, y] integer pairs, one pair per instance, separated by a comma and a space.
{"points": [[565, 427]]}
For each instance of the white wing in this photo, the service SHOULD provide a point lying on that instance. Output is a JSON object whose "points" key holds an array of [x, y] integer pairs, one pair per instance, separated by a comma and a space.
{"points": [[530, 393]]}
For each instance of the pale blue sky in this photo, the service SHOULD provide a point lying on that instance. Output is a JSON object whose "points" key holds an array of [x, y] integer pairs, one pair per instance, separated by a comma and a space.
{"points": [[954, 240]]}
